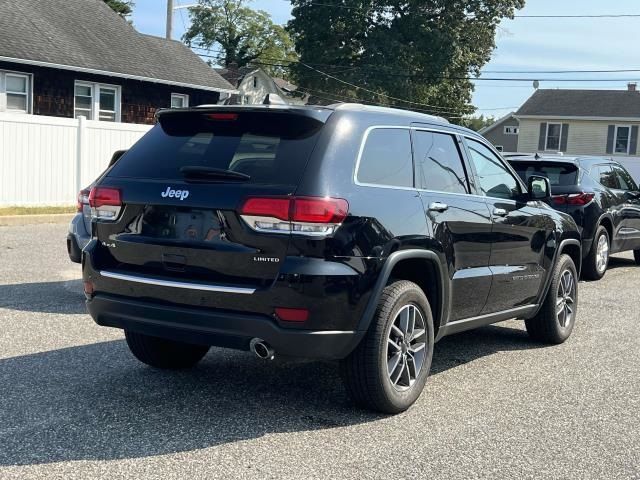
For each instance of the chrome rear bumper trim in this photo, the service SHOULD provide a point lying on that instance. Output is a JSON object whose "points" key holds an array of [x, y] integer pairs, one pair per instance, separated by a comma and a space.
{"points": [[174, 284]]}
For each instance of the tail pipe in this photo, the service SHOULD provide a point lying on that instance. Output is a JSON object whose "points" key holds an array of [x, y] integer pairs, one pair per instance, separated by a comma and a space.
{"points": [[261, 349]]}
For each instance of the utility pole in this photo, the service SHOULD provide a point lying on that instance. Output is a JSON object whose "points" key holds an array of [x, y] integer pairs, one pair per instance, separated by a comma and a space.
{"points": [[169, 19]]}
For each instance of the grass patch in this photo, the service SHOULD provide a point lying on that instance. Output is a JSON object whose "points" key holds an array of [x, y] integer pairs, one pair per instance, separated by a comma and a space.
{"points": [[36, 210]]}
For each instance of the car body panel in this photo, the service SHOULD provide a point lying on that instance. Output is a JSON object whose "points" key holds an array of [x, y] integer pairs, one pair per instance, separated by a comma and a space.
{"points": [[338, 278], [617, 209]]}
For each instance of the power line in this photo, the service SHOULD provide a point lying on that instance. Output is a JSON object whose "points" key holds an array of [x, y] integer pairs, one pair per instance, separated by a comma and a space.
{"points": [[473, 79], [341, 97], [606, 15], [184, 25], [373, 66], [358, 87]]}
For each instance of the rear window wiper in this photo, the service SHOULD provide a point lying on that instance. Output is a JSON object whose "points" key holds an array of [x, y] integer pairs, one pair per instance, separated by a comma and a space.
{"points": [[210, 173]]}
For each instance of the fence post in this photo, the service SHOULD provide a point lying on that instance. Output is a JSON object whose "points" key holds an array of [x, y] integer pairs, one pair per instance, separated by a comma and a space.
{"points": [[79, 150]]}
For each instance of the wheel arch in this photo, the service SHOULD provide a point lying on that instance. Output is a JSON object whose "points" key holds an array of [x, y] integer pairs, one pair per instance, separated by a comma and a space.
{"points": [[411, 265], [607, 223], [573, 248]]}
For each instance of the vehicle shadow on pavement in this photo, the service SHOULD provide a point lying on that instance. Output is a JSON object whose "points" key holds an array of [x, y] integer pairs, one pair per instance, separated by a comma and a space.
{"points": [[96, 402], [620, 262], [64, 297]]}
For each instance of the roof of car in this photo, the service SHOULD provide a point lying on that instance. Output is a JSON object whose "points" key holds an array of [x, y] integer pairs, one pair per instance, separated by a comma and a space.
{"points": [[412, 116], [577, 159]]}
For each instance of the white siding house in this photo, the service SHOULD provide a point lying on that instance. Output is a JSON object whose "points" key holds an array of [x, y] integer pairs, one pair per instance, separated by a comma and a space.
{"points": [[581, 122]]}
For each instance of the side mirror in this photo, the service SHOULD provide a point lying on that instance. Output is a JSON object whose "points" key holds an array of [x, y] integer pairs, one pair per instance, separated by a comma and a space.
{"points": [[116, 156], [539, 188]]}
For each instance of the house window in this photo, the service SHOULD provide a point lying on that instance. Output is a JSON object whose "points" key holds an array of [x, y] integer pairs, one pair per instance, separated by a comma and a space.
{"points": [[622, 135], [511, 130], [16, 90], [255, 82], [97, 102], [179, 100], [554, 132]]}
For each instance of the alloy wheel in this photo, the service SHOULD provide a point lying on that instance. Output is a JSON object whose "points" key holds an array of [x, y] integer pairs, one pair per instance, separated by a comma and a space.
{"points": [[406, 347], [565, 303], [602, 254]]}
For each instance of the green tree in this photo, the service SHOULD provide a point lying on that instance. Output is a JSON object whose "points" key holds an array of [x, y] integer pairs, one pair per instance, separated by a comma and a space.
{"points": [[477, 123], [420, 51], [124, 8], [235, 34]]}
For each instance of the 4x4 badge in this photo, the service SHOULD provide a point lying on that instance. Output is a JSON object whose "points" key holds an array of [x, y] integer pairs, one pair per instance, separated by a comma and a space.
{"points": [[171, 193]]}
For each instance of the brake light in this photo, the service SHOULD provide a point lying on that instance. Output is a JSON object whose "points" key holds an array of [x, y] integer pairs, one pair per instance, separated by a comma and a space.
{"points": [[580, 198], [105, 203], [319, 210], [267, 207], [222, 117], [83, 199], [576, 199], [316, 216]]}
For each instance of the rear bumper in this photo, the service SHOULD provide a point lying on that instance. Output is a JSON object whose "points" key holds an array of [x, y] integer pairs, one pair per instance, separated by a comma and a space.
{"points": [[77, 238], [218, 328]]}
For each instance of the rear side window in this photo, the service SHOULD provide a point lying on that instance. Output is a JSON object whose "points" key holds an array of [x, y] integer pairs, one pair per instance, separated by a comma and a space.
{"points": [[386, 158], [559, 175], [272, 148], [438, 163], [624, 179], [605, 175]]}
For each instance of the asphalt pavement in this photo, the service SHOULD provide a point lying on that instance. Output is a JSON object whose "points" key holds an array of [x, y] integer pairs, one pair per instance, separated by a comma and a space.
{"points": [[75, 404]]}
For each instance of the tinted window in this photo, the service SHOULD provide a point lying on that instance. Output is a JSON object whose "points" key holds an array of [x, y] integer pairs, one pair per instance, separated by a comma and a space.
{"points": [[606, 176], [559, 175], [493, 176], [386, 158], [624, 179], [271, 148], [438, 163]]}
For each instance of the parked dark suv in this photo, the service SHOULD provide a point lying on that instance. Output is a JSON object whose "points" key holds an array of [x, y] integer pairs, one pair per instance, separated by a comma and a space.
{"points": [[602, 198], [356, 233]]}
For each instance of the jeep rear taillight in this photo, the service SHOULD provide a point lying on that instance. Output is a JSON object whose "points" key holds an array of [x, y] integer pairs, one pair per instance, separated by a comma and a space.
{"points": [[105, 203], [314, 216]]}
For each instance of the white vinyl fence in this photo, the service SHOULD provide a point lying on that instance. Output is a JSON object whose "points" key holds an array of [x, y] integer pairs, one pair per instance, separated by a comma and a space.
{"points": [[47, 160]]}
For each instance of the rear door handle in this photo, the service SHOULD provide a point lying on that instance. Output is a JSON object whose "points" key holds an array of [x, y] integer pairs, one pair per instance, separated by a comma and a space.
{"points": [[500, 212], [438, 207]]}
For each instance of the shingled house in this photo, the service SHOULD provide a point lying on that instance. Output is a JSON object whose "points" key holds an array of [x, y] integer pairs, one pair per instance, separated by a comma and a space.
{"points": [[581, 122], [71, 58]]}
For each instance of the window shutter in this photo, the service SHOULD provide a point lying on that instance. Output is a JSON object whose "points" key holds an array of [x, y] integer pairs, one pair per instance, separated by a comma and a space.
{"points": [[564, 137], [633, 147], [542, 141], [610, 133]]}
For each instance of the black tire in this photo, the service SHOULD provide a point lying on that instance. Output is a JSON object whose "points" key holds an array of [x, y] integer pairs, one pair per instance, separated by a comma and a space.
{"points": [[365, 371], [548, 326], [590, 269], [636, 256], [163, 353]]}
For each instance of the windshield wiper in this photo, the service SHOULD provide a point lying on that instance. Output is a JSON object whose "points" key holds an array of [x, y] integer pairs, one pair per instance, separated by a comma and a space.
{"points": [[210, 173]]}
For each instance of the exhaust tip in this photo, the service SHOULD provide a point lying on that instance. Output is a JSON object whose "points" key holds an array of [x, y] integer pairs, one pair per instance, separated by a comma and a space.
{"points": [[261, 349]]}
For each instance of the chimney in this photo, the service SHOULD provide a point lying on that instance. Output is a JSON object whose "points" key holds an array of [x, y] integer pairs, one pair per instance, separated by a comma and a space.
{"points": [[632, 87]]}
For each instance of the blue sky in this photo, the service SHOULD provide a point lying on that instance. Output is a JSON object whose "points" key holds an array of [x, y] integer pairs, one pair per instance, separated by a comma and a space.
{"points": [[530, 44]]}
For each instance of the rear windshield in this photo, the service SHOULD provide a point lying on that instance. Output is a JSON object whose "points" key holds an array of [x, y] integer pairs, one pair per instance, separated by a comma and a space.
{"points": [[559, 175], [269, 147]]}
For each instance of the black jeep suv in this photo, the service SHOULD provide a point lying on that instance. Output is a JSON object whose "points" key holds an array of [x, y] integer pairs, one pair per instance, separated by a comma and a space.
{"points": [[602, 198], [356, 233]]}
